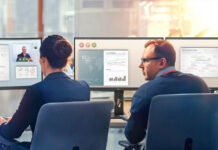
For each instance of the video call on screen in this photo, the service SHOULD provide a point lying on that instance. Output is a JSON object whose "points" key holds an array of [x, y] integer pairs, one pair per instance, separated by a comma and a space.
{"points": [[19, 62]]}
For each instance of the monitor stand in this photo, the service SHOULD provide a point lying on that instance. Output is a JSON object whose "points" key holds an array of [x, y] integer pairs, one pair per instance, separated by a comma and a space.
{"points": [[118, 98]]}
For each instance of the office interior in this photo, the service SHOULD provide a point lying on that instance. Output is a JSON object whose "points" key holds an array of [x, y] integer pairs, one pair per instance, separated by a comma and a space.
{"points": [[187, 24]]}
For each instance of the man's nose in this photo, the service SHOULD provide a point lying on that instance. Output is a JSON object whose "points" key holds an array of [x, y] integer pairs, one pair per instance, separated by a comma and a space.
{"points": [[141, 65]]}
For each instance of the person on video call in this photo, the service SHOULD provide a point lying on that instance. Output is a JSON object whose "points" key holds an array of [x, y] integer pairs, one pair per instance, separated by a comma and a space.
{"points": [[158, 67], [24, 56], [55, 55]]}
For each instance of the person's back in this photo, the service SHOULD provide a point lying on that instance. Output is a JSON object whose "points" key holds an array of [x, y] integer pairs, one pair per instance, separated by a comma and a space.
{"points": [[55, 55], [59, 87], [175, 83], [157, 66], [56, 87]]}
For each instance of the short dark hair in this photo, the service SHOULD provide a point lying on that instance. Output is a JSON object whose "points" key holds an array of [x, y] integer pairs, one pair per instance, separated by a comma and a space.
{"points": [[165, 49], [57, 50]]}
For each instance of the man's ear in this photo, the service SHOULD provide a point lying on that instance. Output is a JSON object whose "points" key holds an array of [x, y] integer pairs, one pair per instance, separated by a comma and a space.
{"points": [[163, 63]]}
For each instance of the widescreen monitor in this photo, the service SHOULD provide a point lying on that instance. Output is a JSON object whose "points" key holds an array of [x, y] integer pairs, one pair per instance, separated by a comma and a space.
{"points": [[19, 62], [109, 62], [198, 56]]}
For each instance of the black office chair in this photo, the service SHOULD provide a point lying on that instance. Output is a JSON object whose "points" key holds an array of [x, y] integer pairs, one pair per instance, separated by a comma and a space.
{"points": [[72, 126], [183, 122]]}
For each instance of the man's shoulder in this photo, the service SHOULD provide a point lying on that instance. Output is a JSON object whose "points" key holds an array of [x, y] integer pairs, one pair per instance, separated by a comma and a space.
{"points": [[27, 55], [178, 74], [186, 77], [151, 83], [185, 81], [148, 87], [161, 82], [20, 55]]}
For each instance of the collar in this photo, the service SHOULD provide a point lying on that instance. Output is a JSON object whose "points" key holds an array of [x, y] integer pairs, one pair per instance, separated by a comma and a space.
{"points": [[56, 75], [165, 71]]}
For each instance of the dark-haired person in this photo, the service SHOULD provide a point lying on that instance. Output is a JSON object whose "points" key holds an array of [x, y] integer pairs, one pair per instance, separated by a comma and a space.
{"points": [[24, 56], [157, 64], [55, 54]]}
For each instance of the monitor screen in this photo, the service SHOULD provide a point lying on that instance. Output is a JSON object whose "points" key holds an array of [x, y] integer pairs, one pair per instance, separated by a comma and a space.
{"points": [[19, 62], [198, 56], [201, 61], [109, 62]]}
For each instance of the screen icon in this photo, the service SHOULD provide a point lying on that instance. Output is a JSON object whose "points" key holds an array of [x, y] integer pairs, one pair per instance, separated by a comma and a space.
{"points": [[94, 45], [81, 45]]}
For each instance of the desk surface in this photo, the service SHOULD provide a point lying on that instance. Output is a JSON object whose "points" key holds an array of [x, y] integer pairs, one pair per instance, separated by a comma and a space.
{"points": [[117, 123]]}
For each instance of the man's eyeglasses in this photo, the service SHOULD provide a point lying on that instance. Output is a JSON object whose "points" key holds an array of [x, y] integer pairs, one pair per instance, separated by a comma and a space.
{"points": [[148, 59]]}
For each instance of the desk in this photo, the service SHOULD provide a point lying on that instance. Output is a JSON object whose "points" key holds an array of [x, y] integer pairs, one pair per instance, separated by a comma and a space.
{"points": [[117, 123]]}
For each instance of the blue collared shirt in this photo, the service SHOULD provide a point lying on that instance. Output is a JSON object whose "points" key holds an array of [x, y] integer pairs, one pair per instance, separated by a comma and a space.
{"points": [[161, 72]]}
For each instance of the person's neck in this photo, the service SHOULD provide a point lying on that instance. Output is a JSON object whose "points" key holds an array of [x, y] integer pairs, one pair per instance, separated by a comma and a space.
{"points": [[164, 70], [52, 70]]}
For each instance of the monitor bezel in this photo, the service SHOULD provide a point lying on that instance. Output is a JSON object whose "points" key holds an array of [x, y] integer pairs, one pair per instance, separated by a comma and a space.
{"points": [[20, 87], [109, 88]]}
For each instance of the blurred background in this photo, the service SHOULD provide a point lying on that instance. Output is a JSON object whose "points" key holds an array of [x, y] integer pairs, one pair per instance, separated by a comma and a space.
{"points": [[111, 18]]}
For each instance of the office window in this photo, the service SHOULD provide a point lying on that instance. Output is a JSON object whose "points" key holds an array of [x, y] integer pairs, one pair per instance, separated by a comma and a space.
{"points": [[58, 18], [18, 18]]}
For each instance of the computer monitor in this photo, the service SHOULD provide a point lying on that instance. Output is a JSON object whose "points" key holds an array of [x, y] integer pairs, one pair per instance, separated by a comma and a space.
{"points": [[106, 63], [110, 63], [19, 62], [198, 56]]}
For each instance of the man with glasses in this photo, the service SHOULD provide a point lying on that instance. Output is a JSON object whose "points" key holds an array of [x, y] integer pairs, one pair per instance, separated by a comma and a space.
{"points": [[158, 67]]}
